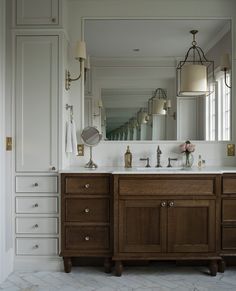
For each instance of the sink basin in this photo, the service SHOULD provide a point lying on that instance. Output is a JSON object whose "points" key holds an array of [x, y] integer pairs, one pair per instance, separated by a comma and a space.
{"points": [[162, 169]]}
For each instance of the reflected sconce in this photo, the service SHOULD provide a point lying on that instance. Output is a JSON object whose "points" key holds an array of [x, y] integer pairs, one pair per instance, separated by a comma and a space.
{"points": [[100, 106], [167, 108], [86, 67], [80, 55], [225, 67], [193, 73]]}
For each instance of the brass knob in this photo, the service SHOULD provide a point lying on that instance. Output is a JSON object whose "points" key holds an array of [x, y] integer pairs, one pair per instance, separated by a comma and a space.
{"points": [[86, 210], [36, 184], [86, 186], [36, 246], [163, 204], [53, 20], [36, 225], [87, 238], [53, 168], [171, 204], [36, 205]]}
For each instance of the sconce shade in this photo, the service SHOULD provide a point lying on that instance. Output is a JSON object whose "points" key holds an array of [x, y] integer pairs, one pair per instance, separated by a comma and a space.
{"points": [[158, 106], [80, 52], [193, 80], [225, 62], [168, 103]]}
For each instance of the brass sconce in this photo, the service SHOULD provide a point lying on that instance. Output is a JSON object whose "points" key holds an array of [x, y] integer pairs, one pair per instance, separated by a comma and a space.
{"points": [[80, 55]]}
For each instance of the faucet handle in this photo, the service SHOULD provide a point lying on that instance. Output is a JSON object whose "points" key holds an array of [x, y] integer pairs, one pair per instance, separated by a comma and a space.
{"points": [[146, 159], [171, 159]]}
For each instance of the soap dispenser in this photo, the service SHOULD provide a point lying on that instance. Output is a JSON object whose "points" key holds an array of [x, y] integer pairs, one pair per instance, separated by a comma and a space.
{"points": [[128, 158]]}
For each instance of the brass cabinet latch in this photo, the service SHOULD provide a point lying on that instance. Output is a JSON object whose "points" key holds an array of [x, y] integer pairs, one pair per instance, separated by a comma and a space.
{"points": [[8, 143]]}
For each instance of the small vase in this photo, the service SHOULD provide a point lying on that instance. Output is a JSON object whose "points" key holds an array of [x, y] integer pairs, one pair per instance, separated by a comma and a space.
{"points": [[188, 160]]}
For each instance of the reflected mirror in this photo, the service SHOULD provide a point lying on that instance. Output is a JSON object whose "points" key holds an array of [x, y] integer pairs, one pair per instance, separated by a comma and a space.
{"points": [[130, 90]]}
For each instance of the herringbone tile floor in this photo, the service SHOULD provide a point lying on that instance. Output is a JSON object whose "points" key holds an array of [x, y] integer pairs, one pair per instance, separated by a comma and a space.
{"points": [[160, 277]]}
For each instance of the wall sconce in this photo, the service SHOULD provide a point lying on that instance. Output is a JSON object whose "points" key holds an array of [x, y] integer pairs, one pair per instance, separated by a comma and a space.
{"points": [[193, 73], [100, 106], [167, 108], [225, 66], [80, 55]]}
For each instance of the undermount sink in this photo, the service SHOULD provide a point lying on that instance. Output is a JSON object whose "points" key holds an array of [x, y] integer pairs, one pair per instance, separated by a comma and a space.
{"points": [[154, 169]]}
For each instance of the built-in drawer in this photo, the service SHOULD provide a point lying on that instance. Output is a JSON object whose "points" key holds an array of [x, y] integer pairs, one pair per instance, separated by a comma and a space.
{"points": [[87, 238], [229, 184], [192, 185], [228, 237], [229, 210], [87, 210], [87, 185], [36, 225], [36, 205], [37, 246], [36, 184]]}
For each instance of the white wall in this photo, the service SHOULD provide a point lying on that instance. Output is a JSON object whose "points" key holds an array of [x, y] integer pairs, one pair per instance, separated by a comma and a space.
{"points": [[214, 153]]}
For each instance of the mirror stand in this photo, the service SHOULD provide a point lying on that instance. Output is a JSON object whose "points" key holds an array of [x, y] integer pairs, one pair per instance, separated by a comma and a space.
{"points": [[91, 164]]}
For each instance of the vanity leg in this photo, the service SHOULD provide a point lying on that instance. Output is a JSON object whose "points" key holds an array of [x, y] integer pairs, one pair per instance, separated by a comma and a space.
{"points": [[221, 266], [67, 264], [107, 265], [213, 267], [118, 268]]}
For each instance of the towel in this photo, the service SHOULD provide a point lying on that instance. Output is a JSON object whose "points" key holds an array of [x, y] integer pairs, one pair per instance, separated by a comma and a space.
{"points": [[74, 138]]}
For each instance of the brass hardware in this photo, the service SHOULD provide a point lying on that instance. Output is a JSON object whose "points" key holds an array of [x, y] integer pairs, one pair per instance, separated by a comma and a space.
{"points": [[86, 186], [53, 20], [36, 246], [36, 226], [36, 184], [53, 168], [36, 205], [8, 143], [163, 204], [80, 149], [68, 79], [231, 149], [86, 210], [171, 204], [87, 238]]}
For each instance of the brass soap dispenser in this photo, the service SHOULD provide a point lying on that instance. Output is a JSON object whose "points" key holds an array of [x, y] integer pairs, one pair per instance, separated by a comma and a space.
{"points": [[128, 158]]}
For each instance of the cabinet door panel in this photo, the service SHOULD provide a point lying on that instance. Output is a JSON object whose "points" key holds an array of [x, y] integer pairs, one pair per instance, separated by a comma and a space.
{"points": [[36, 103], [191, 226], [142, 226]]}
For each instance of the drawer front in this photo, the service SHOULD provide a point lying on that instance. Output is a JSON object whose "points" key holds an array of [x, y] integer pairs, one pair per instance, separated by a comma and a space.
{"points": [[37, 205], [87, 210], [229, 210], [36, 184], [168, 186], [37, 225], [37, 246], [228, 238], [229, 185], [86, 238], [87, 185]]}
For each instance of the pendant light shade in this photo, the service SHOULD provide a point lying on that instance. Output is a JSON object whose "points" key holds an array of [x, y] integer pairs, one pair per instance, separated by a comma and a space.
{"points": [[195, 73], [158, 106]]}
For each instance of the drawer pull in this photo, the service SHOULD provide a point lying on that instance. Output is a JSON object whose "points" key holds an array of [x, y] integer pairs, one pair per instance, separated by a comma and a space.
{"points": [[86, 186], [87, 238], [36, 246], [36, 205], [53, 20], [86, 210], [171, 204], [36, 184], [163, 204], [53, 168], [36, 225]]}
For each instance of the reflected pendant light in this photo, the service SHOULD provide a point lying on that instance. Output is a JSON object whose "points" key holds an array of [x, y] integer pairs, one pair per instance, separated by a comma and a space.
{"points": [[159, 101], [195, 73]]}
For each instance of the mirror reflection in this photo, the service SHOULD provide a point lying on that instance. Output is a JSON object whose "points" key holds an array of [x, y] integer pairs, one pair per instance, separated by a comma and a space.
{"points": [[132, 86]]}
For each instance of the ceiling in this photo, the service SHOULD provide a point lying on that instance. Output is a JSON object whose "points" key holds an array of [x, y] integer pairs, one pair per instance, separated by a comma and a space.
{"points": [[117, 38]]}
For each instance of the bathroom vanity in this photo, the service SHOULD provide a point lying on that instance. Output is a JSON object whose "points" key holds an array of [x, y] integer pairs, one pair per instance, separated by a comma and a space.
{"points": [[124, 215]]}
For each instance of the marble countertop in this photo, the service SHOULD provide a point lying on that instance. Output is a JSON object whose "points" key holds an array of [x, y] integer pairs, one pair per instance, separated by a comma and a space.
{"points": [[152, 170]]}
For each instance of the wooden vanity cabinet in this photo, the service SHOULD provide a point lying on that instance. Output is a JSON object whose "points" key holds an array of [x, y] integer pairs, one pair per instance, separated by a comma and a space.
{"points": [[86, 217], [167, 217]]}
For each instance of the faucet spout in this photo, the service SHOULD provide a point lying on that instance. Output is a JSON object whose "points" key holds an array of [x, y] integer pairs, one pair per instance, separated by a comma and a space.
{"points": [[159, 152]]}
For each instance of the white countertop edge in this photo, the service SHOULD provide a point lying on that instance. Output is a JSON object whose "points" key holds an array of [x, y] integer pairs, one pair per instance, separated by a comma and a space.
{"points": [[155, 171]]}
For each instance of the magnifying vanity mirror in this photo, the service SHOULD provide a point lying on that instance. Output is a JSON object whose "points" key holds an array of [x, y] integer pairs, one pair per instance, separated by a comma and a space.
{"points": [[133, 59], [91, 137]]}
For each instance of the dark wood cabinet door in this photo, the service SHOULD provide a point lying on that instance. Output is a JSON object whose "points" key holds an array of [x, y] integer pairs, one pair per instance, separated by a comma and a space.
{"points": [[191, 226], [142, 226]]}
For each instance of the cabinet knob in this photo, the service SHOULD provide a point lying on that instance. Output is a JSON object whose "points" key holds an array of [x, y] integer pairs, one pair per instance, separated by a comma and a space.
{"points": [[36, 225], [53, 168], [171, 204], [86, 210], [36, 205], [53, 19], [86, 186], [163, 204], [87, 238], [36, 184], [36, 246]]}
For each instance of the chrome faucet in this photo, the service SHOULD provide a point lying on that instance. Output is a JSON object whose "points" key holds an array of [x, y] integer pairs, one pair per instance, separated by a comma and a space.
{"points": [[171, 159], [146, 159], [159, 152]]}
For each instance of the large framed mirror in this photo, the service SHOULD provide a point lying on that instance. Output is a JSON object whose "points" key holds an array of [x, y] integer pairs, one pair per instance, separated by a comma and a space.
{"points": [[130, 90]]}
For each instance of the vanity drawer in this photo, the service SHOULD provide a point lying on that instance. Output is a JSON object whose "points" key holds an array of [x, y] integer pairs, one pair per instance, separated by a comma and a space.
{"points": [[167, 186], [87, 185], [87, 210], [229, 184], [87, 237], [37, 225], [229, 210], [228, 237], [36, 184], [37, 246], [37, 205]]}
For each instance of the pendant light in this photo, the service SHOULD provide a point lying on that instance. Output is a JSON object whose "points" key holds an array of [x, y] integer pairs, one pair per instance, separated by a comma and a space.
{"points": [[193, 73]]}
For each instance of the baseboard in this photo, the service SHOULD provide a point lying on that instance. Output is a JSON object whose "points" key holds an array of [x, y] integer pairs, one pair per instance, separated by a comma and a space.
{"points": [[7, 262], [27, 264]]}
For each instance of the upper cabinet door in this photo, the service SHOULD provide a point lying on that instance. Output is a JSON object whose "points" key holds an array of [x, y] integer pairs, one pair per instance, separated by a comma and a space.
{"points": [[36, 103], [37, 12]]}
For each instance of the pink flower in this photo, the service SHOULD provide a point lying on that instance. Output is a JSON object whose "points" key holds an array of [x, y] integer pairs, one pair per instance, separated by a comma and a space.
{"points": [[187, 147]]}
